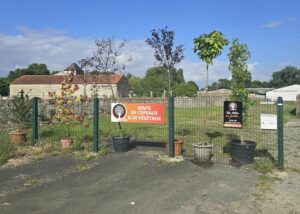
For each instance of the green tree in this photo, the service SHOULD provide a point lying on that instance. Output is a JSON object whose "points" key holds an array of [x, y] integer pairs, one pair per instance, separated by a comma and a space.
{"points": [[32, 69], [185, 90], [194, 84], [135, 84], [162, 41], [54, 72], [208, 47], [16, 74], [238, 56], [4, 86], [259, 84], [37, 69], [221, 83], [154, 84], [287, 76], [162, 73]]}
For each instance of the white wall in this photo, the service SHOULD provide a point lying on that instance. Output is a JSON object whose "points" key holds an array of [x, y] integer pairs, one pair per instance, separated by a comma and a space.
{"points": [[41, 91], [286, 95]]}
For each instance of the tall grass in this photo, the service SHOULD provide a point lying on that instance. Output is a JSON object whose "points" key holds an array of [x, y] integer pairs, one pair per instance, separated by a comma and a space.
{"points": [[7, 150]]}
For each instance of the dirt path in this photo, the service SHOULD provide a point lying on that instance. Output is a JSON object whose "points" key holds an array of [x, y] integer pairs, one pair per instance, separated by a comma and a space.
{"points": [[121, 183], [281, 193], [284, 195]]}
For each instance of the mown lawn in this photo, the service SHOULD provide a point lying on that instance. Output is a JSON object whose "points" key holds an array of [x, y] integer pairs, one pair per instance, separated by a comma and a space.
{"points": [[191, 124]]}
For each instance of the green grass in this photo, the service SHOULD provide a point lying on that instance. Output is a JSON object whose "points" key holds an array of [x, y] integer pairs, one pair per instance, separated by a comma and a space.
{"points": [[264, 165], [7, 150], [289, 111], [31, 183], [188, 121], [267, 180], [191, 125]]}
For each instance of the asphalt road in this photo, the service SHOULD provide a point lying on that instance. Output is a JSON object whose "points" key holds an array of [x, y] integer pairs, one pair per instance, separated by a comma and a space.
{"points": [[120, 183]]}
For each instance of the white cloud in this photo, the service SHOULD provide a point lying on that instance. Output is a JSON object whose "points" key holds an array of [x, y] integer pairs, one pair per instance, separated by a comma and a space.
{"points": [[196, 71], [57, 51], [45, 46], [277, 23], [252, 66], [141, 55], [292, 19], [272, 24]]}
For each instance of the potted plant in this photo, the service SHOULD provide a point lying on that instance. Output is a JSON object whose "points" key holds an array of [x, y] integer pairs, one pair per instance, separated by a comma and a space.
{"points": [[121, 142], [64, 107], [20, 108], [208, 47], [203, 151], [177, 147], [241, 151]]}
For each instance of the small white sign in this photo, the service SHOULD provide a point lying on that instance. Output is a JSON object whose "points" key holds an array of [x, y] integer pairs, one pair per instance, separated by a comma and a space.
{"points": [[268, 121]]}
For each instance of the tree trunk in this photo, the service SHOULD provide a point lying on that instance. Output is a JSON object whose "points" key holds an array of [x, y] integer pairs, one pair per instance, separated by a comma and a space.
{"points": [[169, 77], [206, 84]]}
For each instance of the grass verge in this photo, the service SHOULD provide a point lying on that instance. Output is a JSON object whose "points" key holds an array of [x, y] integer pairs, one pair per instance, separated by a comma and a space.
{"points": [[7, 150]]}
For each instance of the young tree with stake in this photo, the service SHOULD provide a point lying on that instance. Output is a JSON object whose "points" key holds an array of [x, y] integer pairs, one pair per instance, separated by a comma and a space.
{"points": [[105, 59], [208, 47], [162, 41], [238, 56]]}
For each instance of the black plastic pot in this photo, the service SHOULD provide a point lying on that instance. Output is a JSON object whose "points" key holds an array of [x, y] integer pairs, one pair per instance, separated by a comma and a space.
{"points": [[242, 153], [121, 143]]}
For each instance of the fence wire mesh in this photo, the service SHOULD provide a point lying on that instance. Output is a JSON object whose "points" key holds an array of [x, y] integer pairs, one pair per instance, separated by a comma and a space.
{"points": [[146, 139], [51, 131], [197, 120], [200, 120]]}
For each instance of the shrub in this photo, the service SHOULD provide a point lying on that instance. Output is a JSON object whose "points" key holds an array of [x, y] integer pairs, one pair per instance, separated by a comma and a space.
{"points": [[264, 165], [20, 108], [7, 150]]}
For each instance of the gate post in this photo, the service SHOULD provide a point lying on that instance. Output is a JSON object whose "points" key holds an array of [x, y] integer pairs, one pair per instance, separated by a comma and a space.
{"points": [[34, 120], [280, 161], [96, 125], [171, 126]]}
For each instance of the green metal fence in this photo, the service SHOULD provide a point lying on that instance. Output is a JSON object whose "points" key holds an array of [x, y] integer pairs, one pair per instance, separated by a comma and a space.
{"points": [[50, 132], [195, 120], [200, 120], [149, 139]]}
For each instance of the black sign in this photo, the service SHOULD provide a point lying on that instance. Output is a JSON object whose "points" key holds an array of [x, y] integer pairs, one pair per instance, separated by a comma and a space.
{"points": [[233, 116]]}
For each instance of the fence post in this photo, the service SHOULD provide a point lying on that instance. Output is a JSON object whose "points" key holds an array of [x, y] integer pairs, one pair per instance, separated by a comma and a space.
{"points": [[280, 161], [96, 125], [34, 120], [171, 126]]}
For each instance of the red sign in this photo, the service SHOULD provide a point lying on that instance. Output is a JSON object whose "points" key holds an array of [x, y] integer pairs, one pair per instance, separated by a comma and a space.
{"points": [[152, 113]]}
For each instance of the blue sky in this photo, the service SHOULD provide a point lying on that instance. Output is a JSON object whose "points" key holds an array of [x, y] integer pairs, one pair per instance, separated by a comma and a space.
{"points": [[61, 32]]}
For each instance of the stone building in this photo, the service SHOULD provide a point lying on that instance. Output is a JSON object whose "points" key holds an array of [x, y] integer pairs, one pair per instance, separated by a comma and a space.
{"points": [[102, 84], [74, 68]]}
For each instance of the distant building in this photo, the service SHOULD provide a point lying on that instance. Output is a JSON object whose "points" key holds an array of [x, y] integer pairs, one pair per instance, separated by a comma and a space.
{"points": [[217, 92], [288, 93], [72, 68], [102, 84], [259, 92], [254, 92]]}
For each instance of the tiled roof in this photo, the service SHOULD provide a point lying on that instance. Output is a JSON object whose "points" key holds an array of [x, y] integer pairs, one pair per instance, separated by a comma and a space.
{"points": [[74, 67], [77, 79]]}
